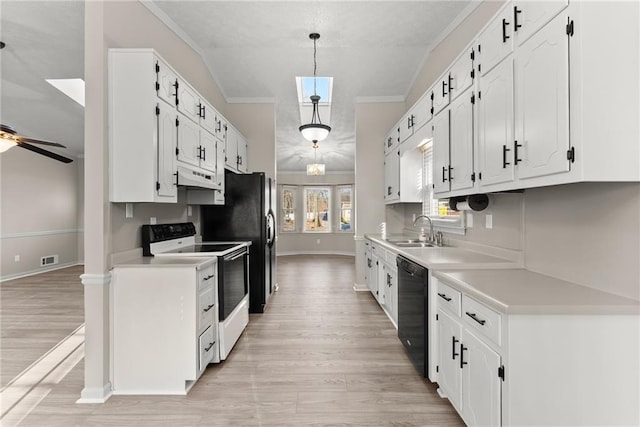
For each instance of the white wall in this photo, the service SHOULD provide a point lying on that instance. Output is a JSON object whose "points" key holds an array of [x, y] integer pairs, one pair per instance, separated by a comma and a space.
{"points": [[298, 242], [39, 212]]}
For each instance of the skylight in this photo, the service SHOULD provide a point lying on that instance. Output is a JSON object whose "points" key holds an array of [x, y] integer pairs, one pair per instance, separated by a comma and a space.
{"points": [[324, 86], [73, 88]]}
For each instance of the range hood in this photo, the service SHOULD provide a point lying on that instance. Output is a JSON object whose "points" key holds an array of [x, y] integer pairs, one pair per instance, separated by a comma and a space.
{"points": [[195, 177]]}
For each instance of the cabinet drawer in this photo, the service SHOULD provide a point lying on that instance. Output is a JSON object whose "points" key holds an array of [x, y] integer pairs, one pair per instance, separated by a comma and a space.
{"points": [[206, 276], [481, 318], [207, 346], [449, 298], [379, 252], [206, 308], [391, 259]]}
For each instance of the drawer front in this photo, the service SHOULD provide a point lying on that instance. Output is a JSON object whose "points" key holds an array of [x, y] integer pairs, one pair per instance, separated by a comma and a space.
{"points": [[391, 259], [207, 345], [483, 319], [449, 298], [207, 309], [206, 276], [379, 252]]}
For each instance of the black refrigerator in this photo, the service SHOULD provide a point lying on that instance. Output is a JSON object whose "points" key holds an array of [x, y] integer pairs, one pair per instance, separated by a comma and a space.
{"points": [[248, 214]]}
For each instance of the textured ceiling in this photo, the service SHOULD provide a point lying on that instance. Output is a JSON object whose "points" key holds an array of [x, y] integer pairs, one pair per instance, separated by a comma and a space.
{"points": [[254, 49]]}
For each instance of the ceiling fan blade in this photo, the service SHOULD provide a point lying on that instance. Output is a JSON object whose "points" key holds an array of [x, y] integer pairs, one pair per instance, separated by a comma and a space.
{"points": [[39, 141], [45, 152]]}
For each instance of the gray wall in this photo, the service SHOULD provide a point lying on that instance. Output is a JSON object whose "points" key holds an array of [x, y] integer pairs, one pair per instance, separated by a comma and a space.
{"points": [[298, 242], [39, 205]]}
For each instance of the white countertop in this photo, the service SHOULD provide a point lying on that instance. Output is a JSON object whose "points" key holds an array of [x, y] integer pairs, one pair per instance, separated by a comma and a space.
{"points": [[166, 262], [519, 291], [445, 258]]}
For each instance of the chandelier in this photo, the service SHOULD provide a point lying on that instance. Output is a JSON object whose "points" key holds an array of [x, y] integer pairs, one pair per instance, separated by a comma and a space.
{"points": [[315, 168], [314, 131]]}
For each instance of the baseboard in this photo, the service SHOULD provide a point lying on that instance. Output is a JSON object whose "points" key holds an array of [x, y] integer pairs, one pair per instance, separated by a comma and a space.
{"points": [[39, 271], [360, 287], [316, 253], [95, 394]]}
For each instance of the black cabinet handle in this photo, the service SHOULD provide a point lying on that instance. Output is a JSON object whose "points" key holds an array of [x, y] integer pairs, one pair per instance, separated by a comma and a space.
{"points": [[209, 347], [450, 174], [462, 349], [209, 277], [444, 297], [504, 30], [444, 85], [515, 152], [453, 348], [504, 156], [204, 112], [515, 18], [176, 85], [474, 317], [209, 307], [388, 280], [176, 175], [389, 191], [450, 80], [443, 172]]}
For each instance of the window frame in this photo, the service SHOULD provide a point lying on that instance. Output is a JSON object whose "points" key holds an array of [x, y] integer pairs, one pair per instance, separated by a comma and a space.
{"points": [[338, 208], [295, 192], [329, 219]]}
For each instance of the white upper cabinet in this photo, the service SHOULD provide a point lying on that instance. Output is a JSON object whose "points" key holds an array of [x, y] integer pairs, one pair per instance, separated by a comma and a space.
{"points": [[166, 82], [188, 142], [421, 112], [392, 140], [462, 73], [207, 116], [496, 40], [188, 102], [207, 152], [495, 126], [441, 164], [461, 173], [529, 16], [542, 102], [405, 126], [167, 178], [440, 93], [392, 176]]}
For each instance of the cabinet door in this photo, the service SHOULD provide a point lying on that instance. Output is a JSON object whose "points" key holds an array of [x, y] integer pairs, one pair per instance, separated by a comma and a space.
{"points": [[461, 143], [406, 126], [441, 93], [220, 127], [208, 151], [421, 112], [449, 373], [208, 116], [495, 125], [462, 74], [496, 41], [373, 275], [231, 149], [206, 308], [391, 140], [220, 163], [382, 282], [542, 102], [167, 171], [392, 176], [188, 101], [188, 142], [242, 154], [529, 16], [481, 386], [441, 152], [166, 82]]}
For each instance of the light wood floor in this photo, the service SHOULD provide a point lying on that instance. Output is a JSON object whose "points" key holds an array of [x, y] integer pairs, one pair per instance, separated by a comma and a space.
{"points": [[321, 355]]}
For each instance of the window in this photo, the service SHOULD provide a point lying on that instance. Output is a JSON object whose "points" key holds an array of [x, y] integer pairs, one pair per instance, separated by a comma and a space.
{"points": [[345, 209], [323, 87], [288, 208], [317, 209], [443, 218]]}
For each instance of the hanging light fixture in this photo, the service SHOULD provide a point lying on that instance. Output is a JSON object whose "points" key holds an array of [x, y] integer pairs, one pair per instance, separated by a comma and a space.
{"points": [[315, 168], [314, 131]]}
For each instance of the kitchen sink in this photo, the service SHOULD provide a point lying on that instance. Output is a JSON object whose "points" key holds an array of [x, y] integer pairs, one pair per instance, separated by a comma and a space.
{"points": [[413, 244]]}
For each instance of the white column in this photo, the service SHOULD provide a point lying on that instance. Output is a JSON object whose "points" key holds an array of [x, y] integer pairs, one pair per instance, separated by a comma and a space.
{"points": [[97, 386]]}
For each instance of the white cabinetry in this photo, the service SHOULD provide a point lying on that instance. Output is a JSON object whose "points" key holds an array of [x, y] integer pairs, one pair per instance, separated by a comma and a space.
{"points": [[403, 168], [142, 130], [236, 151], [381, 274], [530, 15], [496, 40], [165, 328], [392, 176], [392, 140]]}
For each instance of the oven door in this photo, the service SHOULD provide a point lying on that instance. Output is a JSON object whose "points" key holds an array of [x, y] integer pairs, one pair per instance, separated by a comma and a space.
{"points": [[233, 286]]}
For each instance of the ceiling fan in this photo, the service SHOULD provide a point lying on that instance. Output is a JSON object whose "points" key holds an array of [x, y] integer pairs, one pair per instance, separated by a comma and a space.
{"points": [[9, 138]]}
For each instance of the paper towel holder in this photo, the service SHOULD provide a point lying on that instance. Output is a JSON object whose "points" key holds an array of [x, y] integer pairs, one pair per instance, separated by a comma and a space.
{"points": [[475, 202]]}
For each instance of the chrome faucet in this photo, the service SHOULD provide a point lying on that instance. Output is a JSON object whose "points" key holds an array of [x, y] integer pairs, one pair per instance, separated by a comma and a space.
{"points": [[430, 225]]}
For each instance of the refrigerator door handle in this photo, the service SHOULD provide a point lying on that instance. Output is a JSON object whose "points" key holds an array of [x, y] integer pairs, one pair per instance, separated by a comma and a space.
{"points": [[271, 228]]}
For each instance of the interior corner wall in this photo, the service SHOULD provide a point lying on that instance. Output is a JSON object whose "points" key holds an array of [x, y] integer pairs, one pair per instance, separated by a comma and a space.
{"points": [[131, 25], [257, 123], [443, 54], [39, 206]]}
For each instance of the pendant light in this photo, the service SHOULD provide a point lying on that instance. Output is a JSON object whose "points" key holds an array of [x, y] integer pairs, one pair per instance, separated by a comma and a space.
{"points": [[315, 168], [314, 131]]}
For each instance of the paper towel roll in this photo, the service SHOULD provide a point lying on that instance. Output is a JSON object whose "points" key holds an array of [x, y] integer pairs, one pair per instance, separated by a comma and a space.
{"points": [[463, 206]]}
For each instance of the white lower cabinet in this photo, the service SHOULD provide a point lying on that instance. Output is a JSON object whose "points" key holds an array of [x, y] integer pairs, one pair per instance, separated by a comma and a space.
{"points": [[164, 326], [381, 275]]}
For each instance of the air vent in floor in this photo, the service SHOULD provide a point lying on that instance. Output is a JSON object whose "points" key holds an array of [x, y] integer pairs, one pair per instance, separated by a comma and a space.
{"points": [[48, 260]]}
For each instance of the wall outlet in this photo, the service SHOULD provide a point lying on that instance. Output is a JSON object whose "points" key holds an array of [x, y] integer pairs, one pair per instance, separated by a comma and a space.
{"points": [[469, 220], [16, 258], [152, 220], [489, 221]]}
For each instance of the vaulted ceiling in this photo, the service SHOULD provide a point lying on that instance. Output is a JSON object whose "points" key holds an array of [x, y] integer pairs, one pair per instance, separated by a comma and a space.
{"points": [[254, 49]]}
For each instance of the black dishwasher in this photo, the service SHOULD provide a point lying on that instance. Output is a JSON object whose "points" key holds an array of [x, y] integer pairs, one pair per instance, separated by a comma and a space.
{"points": [[413, 280]]}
